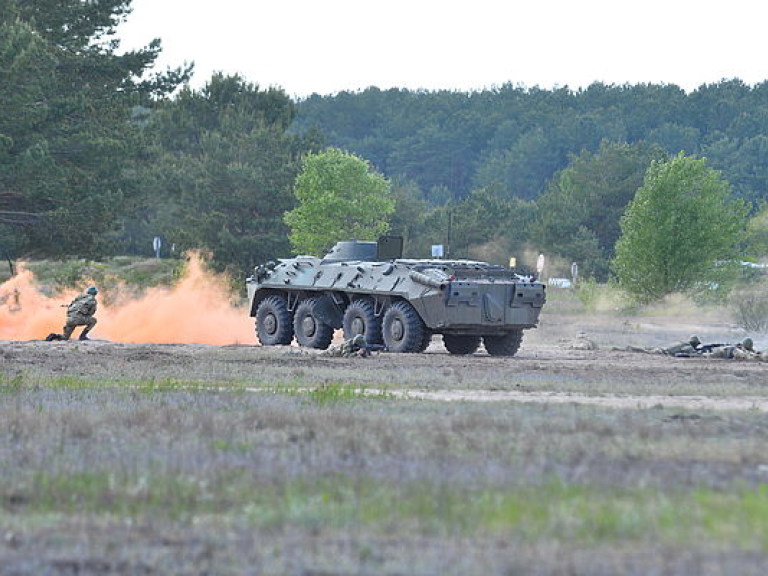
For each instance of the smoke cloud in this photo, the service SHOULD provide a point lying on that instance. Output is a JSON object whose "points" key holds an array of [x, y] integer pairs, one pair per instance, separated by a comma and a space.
{"points": [[197, 310]]}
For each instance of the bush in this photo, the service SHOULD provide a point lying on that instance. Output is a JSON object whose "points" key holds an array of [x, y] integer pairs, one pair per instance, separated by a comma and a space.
{"points": [[750, 308]]}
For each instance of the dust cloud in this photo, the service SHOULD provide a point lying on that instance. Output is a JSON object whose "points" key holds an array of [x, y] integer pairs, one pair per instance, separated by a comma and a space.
{"points": [[196, 310]]}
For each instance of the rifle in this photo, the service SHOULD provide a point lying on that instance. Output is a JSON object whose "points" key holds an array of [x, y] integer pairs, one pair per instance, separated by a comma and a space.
{"points": [[704, 348]]}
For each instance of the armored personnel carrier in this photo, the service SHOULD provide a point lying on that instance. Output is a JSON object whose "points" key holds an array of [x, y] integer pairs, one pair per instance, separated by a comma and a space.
{"points": [[368, 288]]}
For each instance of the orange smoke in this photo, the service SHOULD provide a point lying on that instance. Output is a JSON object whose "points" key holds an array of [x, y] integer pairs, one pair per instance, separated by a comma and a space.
{"points": [[197, 310]]}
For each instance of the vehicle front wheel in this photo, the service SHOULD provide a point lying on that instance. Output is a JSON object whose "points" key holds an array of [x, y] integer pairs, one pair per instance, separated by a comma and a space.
{"points": [[310, 330], [402, 329], [503, 345], [274, 323]]}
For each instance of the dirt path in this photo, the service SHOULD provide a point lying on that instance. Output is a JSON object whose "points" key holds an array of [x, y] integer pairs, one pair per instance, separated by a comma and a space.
{"points": [[549, 368]]}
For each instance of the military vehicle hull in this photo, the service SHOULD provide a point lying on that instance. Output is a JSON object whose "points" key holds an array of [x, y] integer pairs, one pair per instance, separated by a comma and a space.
{"points": [[397, 302]]}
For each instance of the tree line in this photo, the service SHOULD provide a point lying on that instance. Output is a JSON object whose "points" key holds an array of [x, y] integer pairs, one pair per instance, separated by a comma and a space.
{"points": [[99, 154]]}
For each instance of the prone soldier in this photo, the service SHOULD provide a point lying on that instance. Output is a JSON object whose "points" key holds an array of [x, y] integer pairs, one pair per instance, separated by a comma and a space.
{"points": [[356, 346]]}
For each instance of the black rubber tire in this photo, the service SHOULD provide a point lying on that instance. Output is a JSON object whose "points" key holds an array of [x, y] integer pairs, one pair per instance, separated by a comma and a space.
{"points": [[310, 331], [425, 341], [504, 345], [274, 323], [461, 343], [360, 318], [402, 329]]}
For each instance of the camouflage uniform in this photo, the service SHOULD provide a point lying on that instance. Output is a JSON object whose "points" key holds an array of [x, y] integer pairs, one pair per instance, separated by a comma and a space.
{"points": [[691, 347], [80, 313], [352, 347], [746, 351], [724, 351], [742, 351]]}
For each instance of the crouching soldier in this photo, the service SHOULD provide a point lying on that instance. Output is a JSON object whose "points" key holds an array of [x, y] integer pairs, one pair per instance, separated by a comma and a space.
{"points": [[80, 312]]}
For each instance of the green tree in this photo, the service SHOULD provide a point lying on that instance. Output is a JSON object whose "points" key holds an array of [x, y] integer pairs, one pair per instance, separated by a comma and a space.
{"points": [[409, 218], [339, 196], [486, 217], [680, 231], [756, 241], [222, 172], [66, 139], [578, 216]]}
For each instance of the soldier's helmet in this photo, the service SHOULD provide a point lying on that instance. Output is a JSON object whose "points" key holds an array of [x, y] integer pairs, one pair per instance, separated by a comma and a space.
{"points": [[694, 340], [92, 290], [359, 340], [747, 343]]}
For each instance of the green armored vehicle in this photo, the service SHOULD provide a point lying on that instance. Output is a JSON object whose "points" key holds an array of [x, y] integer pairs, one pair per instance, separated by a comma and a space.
{"points": [[367, 288]]}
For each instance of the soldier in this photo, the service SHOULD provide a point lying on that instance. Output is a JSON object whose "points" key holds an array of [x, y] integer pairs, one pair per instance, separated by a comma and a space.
{"points": [[746, 350], [356, 346], [79, 313], [691, 347], [721, 351]]}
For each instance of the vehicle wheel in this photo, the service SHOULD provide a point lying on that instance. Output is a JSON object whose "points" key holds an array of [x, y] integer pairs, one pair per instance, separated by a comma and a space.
{"points": [[310, 330], [402, 329], [461, 343], [504, 345], [274, 324], [425, 341], [359, 318]]}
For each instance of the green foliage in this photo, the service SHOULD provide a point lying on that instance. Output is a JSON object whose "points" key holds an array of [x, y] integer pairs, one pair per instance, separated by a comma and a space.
{"points": [[12, 384], [336, 392], [485, 216], [222, 173], [578, 216], [680, 232], [340, 197], [65, 142], [411, 218], [756, 239]]}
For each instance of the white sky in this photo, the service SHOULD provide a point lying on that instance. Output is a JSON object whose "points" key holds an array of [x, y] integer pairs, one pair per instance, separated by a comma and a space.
{"points": [[325, 46]]}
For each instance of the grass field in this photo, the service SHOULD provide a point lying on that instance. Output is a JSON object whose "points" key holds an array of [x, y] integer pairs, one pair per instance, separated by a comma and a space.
{"points": [[178, 477]]}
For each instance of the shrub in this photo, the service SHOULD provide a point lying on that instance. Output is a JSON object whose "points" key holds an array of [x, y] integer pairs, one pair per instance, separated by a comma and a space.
{"points": [[750, 308]]}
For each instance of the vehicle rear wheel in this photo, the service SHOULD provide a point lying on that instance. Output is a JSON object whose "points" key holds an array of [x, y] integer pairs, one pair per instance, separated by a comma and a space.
{"points": [[505, 344], [310, 330], [461, 343], [402, 329], [274, 323], [360, 318]]}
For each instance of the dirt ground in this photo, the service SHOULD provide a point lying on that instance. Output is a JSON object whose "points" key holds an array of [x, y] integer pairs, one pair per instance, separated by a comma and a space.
{"points": [[552, 366]]}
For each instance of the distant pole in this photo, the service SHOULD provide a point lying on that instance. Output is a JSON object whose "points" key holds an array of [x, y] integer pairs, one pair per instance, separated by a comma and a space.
{"points": [[448, 243], [156, 244]]}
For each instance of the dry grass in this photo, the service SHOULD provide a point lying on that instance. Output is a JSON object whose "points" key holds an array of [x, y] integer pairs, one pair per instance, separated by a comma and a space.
{"points": [[174, 477]]}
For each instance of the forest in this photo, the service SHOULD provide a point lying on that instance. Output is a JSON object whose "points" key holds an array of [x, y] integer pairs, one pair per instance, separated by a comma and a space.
{"points": [[100, 153]]}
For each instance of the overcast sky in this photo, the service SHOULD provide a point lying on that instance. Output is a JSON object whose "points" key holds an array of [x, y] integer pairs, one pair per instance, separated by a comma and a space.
{"points": [[325, 46]]}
